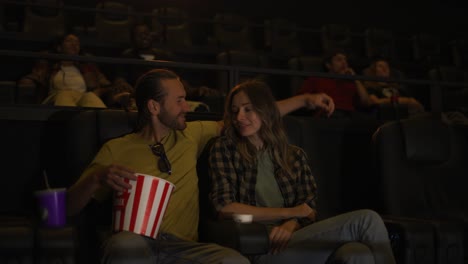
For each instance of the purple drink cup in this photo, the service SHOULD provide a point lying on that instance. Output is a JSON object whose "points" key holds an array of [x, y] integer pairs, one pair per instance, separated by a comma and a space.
{"points": [[51, 203]]}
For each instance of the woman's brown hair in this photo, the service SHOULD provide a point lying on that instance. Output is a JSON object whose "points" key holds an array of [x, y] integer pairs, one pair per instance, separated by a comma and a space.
{"points": [[271, 131]]}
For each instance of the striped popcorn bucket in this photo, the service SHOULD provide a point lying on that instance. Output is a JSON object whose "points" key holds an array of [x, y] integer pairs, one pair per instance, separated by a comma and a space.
{"points": [[141, 208]]}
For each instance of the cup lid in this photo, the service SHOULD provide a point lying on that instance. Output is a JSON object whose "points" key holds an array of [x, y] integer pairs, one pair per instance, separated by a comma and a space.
{"points": [[39, 192]]}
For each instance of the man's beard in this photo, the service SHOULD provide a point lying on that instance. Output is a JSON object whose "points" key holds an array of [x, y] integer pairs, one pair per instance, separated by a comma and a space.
{"points": [[171, 121]]}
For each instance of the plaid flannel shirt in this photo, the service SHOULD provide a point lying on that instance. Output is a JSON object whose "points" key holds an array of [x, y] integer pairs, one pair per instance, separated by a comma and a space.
{"points": [[233, 180]]}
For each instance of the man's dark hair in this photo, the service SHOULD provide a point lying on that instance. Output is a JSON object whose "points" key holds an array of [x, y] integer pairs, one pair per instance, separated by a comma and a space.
{"points": [[147, 87], [328, 56], [380, 58], [58, 41]]}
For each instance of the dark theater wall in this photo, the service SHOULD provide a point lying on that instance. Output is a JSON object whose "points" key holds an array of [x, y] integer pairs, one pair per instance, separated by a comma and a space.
{"points": [[400, 15]]}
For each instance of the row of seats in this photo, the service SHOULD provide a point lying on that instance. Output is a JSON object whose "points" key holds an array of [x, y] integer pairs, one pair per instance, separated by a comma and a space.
{"points": [[412, 172], [447, 98], [231, 31]]}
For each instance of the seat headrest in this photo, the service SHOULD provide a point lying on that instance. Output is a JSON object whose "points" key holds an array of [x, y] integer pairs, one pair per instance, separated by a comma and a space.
{"points": [[113, 11], [426, 140], [114, 123]]}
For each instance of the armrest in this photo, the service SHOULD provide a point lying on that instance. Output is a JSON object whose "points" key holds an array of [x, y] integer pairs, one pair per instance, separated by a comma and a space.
{"points": [[420, 238], [389, 111], [410, 240], [248, 239], [16, 240], [57, 245], [22, 240]]}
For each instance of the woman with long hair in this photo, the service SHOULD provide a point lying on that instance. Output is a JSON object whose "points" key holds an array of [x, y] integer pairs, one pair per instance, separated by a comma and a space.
{"points": [[255, 171]]}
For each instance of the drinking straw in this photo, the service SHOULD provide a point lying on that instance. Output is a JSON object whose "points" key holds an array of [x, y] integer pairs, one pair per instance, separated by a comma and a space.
{"points": [[46, 179]]}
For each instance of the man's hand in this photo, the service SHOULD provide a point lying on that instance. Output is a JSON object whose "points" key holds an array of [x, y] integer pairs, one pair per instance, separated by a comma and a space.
{"points": [[280, 235], [114, 175], [321, 101], [350, 71]]}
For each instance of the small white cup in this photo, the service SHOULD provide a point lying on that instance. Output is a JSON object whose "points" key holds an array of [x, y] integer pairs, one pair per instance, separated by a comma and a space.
{"points": [[242, 218], [147, 57]]}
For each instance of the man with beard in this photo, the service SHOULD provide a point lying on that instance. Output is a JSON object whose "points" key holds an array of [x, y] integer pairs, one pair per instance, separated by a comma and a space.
{"points": [[160, 98], [347, 95]]}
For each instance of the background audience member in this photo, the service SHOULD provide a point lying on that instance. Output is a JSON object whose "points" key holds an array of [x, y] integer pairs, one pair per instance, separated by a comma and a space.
{"points": [[347, 95], [255, 171], [143, 42], [72, 83], [382, 92]]}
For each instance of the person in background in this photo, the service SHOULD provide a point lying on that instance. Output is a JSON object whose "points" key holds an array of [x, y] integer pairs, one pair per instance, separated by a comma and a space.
{"points": [[255, 171], [382, 92], [163, 130], [72, 83], [348, 95], [143, 42]]}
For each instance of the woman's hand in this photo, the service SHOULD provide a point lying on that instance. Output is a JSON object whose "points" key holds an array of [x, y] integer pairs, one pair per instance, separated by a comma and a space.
{"points": [[280, 235], [304, 210]]}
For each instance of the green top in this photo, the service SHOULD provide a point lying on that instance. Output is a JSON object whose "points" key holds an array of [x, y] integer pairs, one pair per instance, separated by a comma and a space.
{"points": [[267, 191]]}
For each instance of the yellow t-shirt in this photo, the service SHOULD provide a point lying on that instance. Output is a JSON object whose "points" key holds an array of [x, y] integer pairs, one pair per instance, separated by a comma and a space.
{"points": [[182, 149]]}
